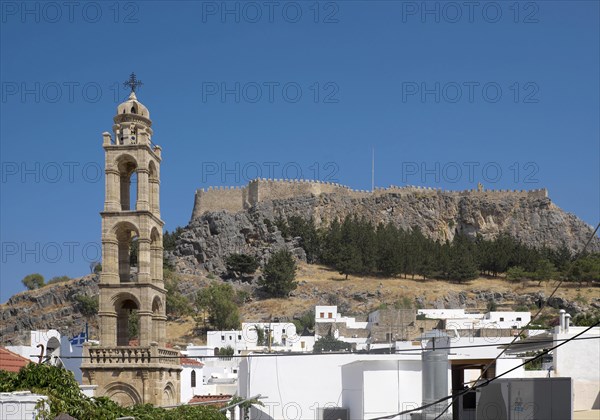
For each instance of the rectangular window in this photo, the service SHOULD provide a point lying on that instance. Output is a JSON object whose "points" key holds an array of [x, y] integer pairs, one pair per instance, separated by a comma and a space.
{"points": [[322, 315], [222, 338], [239, 337], [518, 318], [283, 331], [230, 338], [302, 344], [330, 315], [501, 319]]}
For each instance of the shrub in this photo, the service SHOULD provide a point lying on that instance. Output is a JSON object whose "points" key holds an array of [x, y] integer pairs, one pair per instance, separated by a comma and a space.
{"points": [[33, 281]]}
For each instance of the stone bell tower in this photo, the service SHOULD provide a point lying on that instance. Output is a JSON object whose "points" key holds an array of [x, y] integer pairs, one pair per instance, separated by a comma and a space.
{"points": [[132, 368]]}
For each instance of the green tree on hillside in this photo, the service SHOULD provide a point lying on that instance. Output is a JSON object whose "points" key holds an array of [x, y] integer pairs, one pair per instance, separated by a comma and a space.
{"points": [[241, 264], [33, 281], [309, 236], [544, 271], [586, 268], [462, 263], [177, 305], [389, 249], [279, 274], [305, 322], [516, 273], [58, 279], [218, 300], [349, 260], [170, 238], [332, 243], [86, 305]]}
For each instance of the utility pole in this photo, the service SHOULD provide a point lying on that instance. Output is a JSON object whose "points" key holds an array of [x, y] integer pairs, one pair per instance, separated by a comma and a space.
{"points": [[372, 169]]}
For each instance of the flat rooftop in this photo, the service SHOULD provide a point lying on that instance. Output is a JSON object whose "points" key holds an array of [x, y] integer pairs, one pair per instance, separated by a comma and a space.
{"points": [[586, 415]]}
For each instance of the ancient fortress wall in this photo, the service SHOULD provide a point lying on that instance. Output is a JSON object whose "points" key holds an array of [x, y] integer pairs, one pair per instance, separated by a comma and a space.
{"points": [[231, 199], [234, 199]]}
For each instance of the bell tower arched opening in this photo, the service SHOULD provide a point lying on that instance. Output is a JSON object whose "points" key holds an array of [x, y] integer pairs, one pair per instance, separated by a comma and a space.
{"points": [[128, 182], [128, 251], [128, 323]]}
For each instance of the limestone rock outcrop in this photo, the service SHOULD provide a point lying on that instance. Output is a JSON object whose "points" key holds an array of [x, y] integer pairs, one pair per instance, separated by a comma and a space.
{"points": [[51, 307], [534, 220]]}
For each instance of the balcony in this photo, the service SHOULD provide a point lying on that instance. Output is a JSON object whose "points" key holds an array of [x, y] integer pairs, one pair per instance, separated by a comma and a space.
{"points": [[103, 356]]}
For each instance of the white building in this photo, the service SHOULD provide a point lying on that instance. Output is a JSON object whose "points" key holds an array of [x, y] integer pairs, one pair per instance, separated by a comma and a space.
{"points": [[191, 379], [19, 405], [459, 319], [448, 314], [580, 360], [330, 314], [219, 375], [59, 350], [278, 336], [343, 328], [44, 342], [355, 381]]}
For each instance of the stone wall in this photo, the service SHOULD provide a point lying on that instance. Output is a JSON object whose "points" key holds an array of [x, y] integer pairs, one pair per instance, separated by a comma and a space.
{"points": [[231, 199], [238, 198]]}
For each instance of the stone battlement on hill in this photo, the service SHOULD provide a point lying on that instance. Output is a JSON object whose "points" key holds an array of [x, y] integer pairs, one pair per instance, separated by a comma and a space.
{"points": [[238, 198]]}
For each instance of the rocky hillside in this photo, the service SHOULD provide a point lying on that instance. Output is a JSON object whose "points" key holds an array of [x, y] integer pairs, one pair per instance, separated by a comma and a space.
{"points": [[206, 241], [534, 221], [54, 305], [51, 307]]}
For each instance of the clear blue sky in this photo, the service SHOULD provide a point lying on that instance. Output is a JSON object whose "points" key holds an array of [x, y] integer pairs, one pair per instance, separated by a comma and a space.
{"points": [[498, 87]]}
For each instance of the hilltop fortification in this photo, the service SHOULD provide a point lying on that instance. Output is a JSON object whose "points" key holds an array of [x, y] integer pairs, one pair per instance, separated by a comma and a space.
{"points": [[241, 219], [239, 198]]}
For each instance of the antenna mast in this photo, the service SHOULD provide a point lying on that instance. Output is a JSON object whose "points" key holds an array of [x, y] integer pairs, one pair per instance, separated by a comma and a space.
{"points": [[372, 169]]}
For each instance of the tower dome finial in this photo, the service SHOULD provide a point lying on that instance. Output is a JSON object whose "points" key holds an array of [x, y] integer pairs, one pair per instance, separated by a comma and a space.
{"points": [[133, 83]]}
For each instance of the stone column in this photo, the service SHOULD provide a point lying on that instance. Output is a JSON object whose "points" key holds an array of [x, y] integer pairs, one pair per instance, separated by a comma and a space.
{"points": [[156, 252], [144, 260], [112, 192], [110, 257], [161, 329], [145, 327], [156, 195], [108, 328], [143, 190]]}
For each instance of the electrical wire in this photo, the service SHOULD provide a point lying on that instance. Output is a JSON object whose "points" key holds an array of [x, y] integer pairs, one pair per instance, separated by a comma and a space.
{"points": [[454, 398], [398, 351], [487, 381], [544, 304]]}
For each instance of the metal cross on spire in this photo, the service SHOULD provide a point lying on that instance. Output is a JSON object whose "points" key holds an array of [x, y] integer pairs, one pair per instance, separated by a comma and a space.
{"points": [[133, 83]]}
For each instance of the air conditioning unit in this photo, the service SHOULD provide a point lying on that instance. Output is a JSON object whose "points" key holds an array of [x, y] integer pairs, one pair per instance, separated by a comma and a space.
{"points": [[333, 413]]}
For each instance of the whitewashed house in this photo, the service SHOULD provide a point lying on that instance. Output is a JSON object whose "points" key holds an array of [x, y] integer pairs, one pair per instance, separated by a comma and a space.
{"points": [[580, 360], [191, 379], [58, 350], [277, 336], [366, 385], [219, 374], [458, 319]]}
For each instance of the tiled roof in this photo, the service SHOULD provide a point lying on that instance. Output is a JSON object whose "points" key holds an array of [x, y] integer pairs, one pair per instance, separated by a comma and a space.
{"points": [[12, 362], [191, 362], [216, 400]]}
